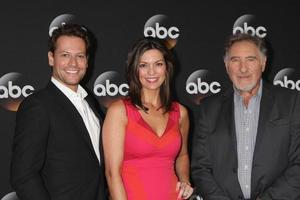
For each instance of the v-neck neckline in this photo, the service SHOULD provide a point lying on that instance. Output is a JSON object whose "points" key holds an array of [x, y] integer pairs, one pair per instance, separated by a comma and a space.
{"points": [[154, 133]]}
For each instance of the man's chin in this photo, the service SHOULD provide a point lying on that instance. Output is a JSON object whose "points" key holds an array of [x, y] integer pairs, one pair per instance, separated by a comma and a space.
{"points": [[245, 88]]}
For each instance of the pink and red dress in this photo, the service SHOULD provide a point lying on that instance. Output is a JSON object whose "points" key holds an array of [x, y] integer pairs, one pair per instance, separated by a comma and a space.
{"points": [[148, 170]]}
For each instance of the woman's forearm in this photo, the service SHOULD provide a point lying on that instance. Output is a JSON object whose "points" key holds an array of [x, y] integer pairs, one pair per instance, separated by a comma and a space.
{"points": [[116, 187]]}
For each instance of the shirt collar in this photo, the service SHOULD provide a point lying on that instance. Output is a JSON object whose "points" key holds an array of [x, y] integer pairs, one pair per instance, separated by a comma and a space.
{"points": [[67, 91]]}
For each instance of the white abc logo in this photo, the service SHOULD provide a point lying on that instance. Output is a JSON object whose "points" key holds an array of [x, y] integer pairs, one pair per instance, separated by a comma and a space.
{"points": [[288, 83], [195, 197], [259, 31], [203, 87], [10, 196], [161, 32], [54, 28], [60, 21], [110, 89], [14, 91]]}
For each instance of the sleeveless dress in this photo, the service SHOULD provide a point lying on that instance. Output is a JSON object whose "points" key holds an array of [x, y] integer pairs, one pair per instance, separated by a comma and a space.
{"points": [[148, 170]]}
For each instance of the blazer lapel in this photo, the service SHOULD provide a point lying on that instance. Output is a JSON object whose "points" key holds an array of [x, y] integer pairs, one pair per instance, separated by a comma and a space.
{"points": [[67, 105], [228, 105], [267, 113], [229, 118], [96, 109]]}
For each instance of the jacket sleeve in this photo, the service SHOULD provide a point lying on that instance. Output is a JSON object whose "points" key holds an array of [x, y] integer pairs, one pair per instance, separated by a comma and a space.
{"points": [[287, 186], [29, 151], [201, 165]]}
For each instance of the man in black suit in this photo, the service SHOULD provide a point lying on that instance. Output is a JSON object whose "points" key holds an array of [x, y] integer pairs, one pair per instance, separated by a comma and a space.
{"points": [[56, 149], [246, 143]]}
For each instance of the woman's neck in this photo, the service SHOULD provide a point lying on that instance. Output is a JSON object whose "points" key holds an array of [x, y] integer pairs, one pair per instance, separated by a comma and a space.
{"points": [[151, 98]]}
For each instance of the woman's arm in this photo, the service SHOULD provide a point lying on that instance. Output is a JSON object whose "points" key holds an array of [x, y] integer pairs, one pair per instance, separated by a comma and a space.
{"points": [[113, 144], [182, 164]]}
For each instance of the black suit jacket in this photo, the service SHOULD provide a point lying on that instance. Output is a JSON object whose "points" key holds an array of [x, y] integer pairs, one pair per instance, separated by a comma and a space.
{"points": [[53, 157], [276, 161]]}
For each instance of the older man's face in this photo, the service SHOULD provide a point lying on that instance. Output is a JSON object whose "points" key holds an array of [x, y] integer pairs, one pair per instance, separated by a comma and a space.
{"points": [[244, 65]]}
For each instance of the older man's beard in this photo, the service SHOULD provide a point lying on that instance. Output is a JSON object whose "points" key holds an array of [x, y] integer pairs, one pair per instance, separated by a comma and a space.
{"points": [[246, 88]]}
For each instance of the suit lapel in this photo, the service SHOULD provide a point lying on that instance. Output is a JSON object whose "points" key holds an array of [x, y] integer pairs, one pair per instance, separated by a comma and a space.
{"points": [[100, 116], [67, 105], [93, 106], [228, 105], [267, 112], [228, 117]]}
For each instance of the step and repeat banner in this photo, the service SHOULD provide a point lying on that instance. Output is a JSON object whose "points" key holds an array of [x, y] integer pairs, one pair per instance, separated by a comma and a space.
{"points": [[195, 31]]}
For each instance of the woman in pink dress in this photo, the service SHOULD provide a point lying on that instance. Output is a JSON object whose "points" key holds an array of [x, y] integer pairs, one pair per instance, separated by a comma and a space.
{"points": [[145, 135]]}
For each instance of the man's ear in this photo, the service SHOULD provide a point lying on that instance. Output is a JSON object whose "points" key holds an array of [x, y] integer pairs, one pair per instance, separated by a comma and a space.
{"points": [[264, 62], [87, 60], [226, 63], [50, 58]]}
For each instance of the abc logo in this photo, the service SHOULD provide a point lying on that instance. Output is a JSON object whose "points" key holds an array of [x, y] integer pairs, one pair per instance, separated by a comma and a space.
{"points": [[259, 31], [195, 197], [282, 79], [10, 196], [109, 87], [60, 21], [241, 25], [161, 32], [201, 84], [159, 26], [203, 87], [15, 91], [288, 83], [195, 84]]}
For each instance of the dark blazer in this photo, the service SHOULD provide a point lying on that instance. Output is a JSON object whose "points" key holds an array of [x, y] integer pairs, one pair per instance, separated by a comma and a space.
{"points": [[276, 161], [53, 157]]}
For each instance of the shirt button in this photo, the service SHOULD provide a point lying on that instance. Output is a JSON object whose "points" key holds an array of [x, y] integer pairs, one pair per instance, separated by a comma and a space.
{"points": [[246, 167], [247, 148], [247, 186], [247, 129]]}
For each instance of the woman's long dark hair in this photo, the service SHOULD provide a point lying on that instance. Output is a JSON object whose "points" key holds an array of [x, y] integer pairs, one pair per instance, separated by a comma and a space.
{"points": [[132, 71]]}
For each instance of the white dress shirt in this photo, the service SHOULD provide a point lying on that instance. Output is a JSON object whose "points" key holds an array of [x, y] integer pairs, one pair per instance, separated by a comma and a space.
{"points": [[89, 118]]}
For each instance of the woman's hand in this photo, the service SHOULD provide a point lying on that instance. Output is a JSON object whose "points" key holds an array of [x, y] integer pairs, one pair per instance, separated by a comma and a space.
{"points": [[185, 190]]}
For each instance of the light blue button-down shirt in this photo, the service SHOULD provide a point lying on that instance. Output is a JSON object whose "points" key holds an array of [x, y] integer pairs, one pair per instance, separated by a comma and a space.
{"points": [[246, 123]]}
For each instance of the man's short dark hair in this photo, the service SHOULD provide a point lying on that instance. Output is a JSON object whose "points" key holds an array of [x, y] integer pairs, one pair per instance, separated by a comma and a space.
{"points": [[239, 37], [75, 30]]}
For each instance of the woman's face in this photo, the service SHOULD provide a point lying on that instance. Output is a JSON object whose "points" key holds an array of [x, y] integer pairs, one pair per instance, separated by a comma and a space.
{"points": [[152, 69]]}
